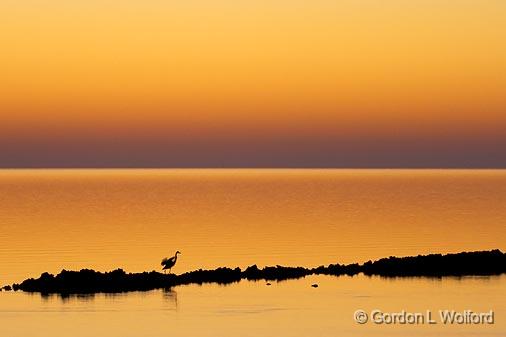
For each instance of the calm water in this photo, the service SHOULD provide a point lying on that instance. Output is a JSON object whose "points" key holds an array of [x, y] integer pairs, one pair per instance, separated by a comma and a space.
{"points": [[104, 219], [290, 308]]}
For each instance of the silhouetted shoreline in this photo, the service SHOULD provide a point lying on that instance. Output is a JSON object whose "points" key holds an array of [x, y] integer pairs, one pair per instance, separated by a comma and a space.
{"points": [[435, 265]]}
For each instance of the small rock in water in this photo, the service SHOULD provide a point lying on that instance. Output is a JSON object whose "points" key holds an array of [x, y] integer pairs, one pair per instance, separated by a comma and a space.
{"points": [[267, 284], [314, 285], [7, 288]]}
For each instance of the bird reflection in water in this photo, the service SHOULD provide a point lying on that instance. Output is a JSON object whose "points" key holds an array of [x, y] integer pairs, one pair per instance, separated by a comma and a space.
{"points": [[170, 299]]}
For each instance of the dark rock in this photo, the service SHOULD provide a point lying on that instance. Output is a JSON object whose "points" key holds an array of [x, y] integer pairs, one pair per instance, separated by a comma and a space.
{"points": [[89, 281], [468, 263]]}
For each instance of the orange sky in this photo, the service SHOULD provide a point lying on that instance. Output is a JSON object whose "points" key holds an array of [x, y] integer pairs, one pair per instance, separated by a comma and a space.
{"points": [[238, 71]]}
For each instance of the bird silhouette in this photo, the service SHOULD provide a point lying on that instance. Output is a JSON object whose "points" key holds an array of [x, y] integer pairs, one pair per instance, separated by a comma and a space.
{"points": [[168, 263]]}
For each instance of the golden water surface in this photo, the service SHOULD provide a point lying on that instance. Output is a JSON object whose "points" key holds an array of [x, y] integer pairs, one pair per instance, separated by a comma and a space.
{"points": [[104, 219]]}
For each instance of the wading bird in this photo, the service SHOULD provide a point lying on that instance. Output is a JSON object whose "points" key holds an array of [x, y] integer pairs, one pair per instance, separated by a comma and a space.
{"points": [[169, 263]]}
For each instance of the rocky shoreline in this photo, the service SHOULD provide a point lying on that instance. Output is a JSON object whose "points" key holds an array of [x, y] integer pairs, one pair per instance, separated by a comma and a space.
{"points": [[434, 265]]}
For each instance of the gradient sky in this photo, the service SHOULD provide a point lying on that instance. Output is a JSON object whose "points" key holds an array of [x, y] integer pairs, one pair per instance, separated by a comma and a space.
{"points": [[344, 83]]}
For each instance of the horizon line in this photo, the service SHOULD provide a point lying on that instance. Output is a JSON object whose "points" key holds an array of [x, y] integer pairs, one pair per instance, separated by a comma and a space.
{"points": [[252, 168]]}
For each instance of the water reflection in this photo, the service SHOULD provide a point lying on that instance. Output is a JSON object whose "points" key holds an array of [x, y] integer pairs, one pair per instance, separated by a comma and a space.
{"points": [[85, 297], [286, 309], [169, 299], [168, 296], [66, 298], [434, 278]]}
